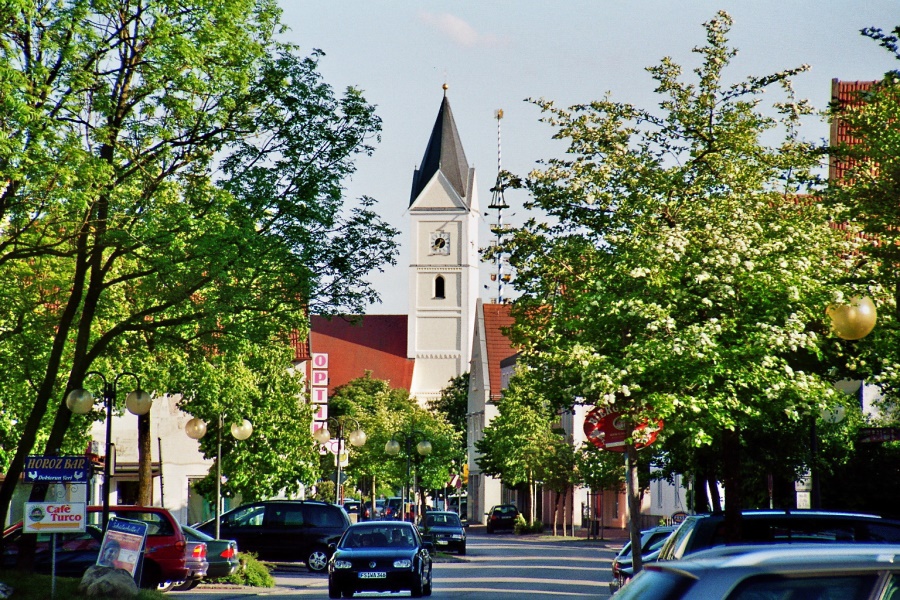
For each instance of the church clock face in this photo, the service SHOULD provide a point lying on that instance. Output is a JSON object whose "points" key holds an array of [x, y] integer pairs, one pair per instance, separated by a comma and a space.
{"points": [[440, 243]]}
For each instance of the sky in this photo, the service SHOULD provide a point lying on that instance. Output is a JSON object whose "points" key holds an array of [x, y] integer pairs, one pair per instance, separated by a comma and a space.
{"points": [[496, 54]]}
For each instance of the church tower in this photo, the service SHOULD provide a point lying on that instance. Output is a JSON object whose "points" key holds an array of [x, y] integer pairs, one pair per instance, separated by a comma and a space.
{"points": [[444, 260]]}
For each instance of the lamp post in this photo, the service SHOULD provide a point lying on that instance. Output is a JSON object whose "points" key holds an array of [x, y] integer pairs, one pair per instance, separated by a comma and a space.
{"points": [[423, 448], [138, 402], [852, 321], [357, 438], [196, 429]]}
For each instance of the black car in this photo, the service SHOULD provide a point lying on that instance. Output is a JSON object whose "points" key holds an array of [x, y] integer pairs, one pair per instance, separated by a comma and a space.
{"points": [[445, 530], [502, 516], [652, 541], [284, 530], [380, 556], [699, 532]]}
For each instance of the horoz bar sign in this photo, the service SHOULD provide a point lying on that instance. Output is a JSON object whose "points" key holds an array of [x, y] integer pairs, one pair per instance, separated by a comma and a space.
{"points": [[57, 469]]}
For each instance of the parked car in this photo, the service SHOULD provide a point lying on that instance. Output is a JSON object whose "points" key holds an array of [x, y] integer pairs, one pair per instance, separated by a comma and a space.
{"points": [[699, 532], [352, 508], [284, 530], [195, 559], [368, 514], [445, 530], [380, 556], [393, 509], [502, 516], [222, 555], [164, 561], [652, 541], [807, 571]]}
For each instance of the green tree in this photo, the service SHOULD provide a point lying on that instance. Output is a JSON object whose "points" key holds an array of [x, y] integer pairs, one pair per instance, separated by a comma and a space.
{"points": [[173, 196], [386, 413], [867, 189], [517, 446], [453, 404], [681, 274]]}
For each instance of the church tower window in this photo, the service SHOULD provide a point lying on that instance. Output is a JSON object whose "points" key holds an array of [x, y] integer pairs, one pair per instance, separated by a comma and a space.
{"points": [[439, 287]]}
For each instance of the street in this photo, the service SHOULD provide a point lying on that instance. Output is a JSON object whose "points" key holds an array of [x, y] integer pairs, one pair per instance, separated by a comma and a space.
{"points": [[502, 566]]}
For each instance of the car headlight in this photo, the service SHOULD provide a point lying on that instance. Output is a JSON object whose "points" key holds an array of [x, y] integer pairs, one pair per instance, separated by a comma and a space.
{"points": [[342, 564], [403, 563]]}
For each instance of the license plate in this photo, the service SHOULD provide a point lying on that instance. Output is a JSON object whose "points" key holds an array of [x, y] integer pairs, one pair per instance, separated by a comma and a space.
{"points": [[372, 575]]}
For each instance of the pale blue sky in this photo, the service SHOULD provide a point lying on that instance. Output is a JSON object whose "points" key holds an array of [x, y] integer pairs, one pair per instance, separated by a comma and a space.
{"points": [[494, 54]]}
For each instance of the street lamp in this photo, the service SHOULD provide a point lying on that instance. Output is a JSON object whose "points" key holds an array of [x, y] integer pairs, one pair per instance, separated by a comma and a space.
{"points": [[852, 321], [138, 402], [357, 438], [196, 429], [423, 448]]}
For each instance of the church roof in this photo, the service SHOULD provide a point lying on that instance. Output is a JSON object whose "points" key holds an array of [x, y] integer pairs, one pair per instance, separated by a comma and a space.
{"points": [[375, 343], [444, 153]]}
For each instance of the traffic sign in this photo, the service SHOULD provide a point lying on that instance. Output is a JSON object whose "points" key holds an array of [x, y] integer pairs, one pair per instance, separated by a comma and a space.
{"points": [[56, 469], [874, 435], [607, 430]]}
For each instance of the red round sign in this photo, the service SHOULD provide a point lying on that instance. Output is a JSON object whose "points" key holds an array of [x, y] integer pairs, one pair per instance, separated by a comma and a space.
{"points": [[608, 431]]}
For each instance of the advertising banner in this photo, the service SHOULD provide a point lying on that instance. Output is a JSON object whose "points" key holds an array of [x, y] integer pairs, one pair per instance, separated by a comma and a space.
{"points": [[122, 544]]}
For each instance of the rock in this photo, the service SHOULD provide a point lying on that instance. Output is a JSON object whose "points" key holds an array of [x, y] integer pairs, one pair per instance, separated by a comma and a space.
{"points": [[6, 591], [108, 583]]}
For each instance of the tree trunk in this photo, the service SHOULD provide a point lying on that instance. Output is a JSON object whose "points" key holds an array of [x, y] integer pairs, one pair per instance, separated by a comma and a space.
{"points": [[145, 467], [633, 506], [556, 512], [731, 446]]}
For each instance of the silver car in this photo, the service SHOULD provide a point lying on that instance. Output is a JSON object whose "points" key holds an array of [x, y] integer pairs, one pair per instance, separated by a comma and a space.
{"points": [[794, 571]]}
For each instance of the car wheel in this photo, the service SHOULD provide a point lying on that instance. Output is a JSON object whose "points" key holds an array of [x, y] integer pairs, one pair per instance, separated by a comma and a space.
{"points": [[426, 590], [348, 593], [165, 586], [417, 589], [462, 550], [333, 590], [489, 530], [185, 586], [317, 561]]}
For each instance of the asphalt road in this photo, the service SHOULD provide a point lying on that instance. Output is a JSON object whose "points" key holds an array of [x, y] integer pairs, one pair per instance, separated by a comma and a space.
{"points": [[501, 566]]}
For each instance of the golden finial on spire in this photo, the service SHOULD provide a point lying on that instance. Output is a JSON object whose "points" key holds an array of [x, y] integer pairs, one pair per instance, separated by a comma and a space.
{"points": [[446, 87]]}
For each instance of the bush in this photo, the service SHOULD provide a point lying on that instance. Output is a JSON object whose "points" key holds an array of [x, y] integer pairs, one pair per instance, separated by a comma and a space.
{"points": [[522, 527], [252, 572]]}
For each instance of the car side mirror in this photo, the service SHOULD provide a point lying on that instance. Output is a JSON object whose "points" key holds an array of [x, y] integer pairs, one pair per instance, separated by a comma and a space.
{"points": [[332, 546]]}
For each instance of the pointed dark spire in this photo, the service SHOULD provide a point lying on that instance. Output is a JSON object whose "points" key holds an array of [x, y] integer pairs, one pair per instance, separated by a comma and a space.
{"points": [[444, 153]]}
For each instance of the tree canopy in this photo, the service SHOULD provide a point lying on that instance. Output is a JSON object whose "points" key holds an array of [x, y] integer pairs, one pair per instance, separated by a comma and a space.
{"points": [[171, 195], [683, 264]]}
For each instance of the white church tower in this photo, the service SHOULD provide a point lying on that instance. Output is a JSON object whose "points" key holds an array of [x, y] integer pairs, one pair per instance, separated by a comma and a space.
{"points": [[444, 260]]}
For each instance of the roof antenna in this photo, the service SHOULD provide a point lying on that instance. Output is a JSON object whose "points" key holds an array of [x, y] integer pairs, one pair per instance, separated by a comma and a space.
{"points": [[498, 203]]}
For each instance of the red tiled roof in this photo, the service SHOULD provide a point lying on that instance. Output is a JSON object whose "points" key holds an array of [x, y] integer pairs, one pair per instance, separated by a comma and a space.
{"points": [[375, 343], [496, 317], [844, 94]]}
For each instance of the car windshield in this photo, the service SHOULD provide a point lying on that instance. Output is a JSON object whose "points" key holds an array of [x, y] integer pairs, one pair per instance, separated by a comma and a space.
{"points": [[443, 520], [377, 536]]}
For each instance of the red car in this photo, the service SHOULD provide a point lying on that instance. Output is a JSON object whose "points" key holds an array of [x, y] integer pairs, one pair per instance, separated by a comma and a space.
{"points": [[164, 551]]}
